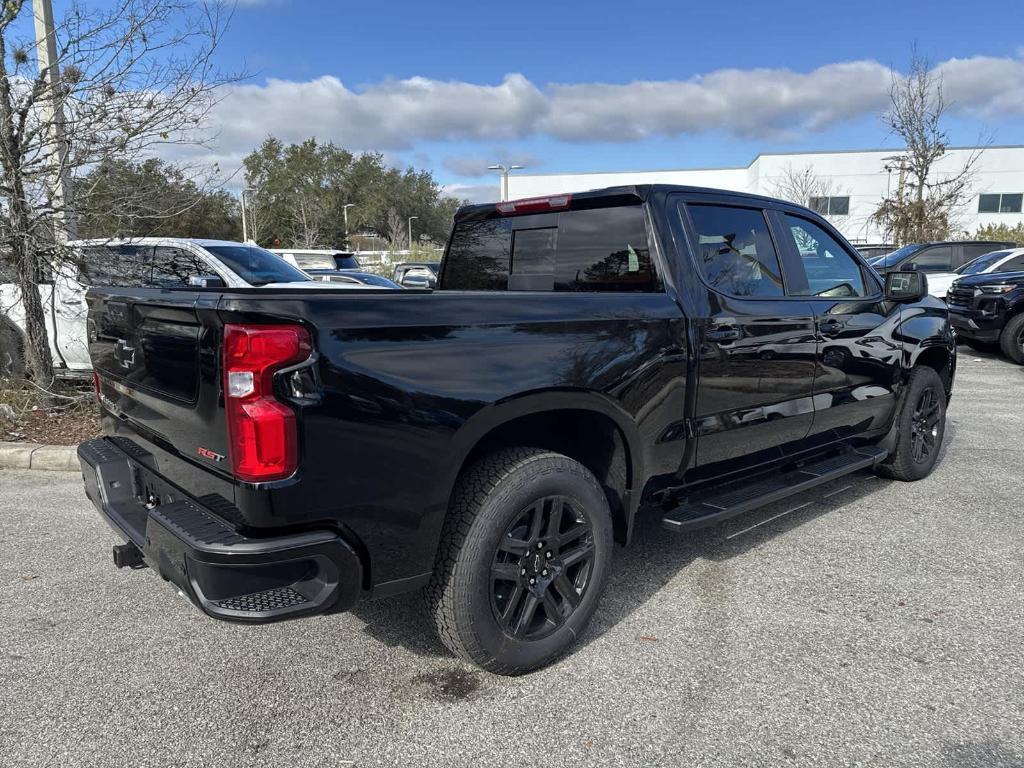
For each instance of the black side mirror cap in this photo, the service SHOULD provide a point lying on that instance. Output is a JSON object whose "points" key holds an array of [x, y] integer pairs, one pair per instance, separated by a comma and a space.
{"points": [[905, 286], [206, 281]]}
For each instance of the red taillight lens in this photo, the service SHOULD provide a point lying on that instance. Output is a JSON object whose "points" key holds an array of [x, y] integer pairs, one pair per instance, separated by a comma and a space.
{"points": [[96, 385], [262, 438]]}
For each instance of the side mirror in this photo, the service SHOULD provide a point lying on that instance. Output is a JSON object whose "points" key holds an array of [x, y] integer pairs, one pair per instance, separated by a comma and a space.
{"points": [[206, 281], [905, 286]]}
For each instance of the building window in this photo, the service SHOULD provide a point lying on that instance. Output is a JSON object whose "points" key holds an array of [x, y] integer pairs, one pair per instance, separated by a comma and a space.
{"points": [[1006, 203], [831, 206]]}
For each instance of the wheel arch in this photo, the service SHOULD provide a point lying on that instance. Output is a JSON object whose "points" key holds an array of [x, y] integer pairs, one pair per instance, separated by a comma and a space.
{"points": [[585, 426]]}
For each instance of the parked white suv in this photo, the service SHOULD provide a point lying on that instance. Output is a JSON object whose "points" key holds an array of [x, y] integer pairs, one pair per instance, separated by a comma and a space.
{"points": [[1006, 260], [162, 262]]}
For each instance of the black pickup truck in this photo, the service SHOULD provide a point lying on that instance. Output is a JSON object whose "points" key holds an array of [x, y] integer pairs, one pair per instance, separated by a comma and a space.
{"points": [[674, 351], [988, 309]]}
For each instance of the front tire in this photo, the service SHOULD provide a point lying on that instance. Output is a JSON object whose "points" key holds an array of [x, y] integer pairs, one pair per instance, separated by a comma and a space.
{"points": [[523, 560], [1011, 340], [920, 427]]}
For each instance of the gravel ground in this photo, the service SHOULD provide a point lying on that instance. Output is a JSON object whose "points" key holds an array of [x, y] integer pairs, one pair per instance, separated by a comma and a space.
{"points": [[880, 624]]}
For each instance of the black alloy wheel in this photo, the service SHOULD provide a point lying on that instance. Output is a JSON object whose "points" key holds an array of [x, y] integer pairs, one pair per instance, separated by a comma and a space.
{"points": [[925, 425], [541, 568]]}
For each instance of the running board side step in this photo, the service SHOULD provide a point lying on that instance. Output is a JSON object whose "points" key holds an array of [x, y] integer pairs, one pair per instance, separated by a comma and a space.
{"points": [[718, 504]]}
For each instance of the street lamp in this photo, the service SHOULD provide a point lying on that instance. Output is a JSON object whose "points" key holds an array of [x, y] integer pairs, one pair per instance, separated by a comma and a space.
{"points": [[410, 230], [245, 228], [505, 170], [344, 210]]}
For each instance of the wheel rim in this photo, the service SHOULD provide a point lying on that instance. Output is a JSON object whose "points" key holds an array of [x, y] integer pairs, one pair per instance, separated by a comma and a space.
{"points": [[542, 568], [924, 433]]}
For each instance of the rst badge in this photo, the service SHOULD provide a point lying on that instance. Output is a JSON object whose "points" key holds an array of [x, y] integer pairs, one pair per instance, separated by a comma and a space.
{"points": [[206, 453]]}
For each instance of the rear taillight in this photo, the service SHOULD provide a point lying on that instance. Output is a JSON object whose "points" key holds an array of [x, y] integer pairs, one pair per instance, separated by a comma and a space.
{"points": [[262, 436], [96, 386]]}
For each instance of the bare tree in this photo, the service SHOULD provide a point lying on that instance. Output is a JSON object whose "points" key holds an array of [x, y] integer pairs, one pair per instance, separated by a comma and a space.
{"points": [[127, 80], [396, 230], [925, 202], [803, 185]]}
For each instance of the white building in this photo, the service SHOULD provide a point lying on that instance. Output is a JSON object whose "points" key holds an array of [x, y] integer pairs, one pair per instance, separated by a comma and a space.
{"points": [[858, 181]]}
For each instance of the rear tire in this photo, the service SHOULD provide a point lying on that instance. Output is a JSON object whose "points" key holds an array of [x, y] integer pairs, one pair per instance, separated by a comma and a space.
{"points": [[518, 516], [1011, 340], [920, 427]]}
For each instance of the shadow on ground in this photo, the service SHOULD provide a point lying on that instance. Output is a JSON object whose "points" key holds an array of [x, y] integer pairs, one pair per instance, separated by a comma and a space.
{"points": [[653, 558]]}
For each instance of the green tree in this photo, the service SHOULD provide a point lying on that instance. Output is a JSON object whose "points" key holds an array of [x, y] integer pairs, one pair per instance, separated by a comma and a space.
{"points": [[152, 198], [1002, 232], [296, 196]]}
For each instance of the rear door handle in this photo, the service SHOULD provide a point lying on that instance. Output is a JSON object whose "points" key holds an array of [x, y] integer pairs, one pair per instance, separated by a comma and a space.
{"points": [[831, 326], [722, 334]]}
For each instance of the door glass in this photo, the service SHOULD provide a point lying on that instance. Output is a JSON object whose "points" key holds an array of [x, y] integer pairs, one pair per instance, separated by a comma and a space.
{"points": [[735, 252], [1015, 264], [831, 271], [120, 266], [172, 267], [938, 259]]}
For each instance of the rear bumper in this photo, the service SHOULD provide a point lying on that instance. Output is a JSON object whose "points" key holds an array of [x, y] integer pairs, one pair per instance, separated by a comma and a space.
{"points": [[224, 573]]}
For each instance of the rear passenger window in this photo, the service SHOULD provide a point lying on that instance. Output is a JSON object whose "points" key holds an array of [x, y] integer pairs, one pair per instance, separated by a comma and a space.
{"points": [[735, 252], [938, 259], [119, 266], [172, 267], [1013, 265]]}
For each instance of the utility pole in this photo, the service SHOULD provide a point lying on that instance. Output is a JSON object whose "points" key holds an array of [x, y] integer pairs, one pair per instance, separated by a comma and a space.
{"points": [[505, 170], [410, 230], [52, 108]]}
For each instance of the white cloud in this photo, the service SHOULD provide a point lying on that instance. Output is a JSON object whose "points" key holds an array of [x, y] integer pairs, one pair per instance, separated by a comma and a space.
{"points": [[757, 103], [768, 104]]}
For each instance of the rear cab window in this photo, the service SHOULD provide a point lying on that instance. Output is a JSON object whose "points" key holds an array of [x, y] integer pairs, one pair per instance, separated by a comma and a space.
{"points": [[591, 250]]}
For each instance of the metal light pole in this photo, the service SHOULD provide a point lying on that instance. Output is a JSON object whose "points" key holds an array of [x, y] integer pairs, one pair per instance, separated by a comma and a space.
{"points": [[410, 230], [53, 116], [245, 226], [505, 170], [344, 210]]}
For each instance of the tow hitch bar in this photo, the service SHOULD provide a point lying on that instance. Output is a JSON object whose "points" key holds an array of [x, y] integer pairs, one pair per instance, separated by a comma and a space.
{"points": [[128, 556]]}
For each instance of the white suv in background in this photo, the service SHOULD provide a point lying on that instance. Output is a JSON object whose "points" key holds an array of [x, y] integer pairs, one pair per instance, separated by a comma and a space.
{"points": [[164, 262], [1006, 260]]}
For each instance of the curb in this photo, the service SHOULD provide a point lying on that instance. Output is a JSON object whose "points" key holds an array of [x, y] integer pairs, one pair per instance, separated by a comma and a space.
{"points": [[60, 458]]}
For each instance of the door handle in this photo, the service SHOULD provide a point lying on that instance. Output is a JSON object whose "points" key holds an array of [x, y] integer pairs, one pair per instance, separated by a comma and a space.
{"points": [[71, 302], [831, 326], [722, 334]]}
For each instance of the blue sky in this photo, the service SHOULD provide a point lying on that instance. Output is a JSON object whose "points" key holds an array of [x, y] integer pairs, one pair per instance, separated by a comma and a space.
{"points": [[452, 86]]}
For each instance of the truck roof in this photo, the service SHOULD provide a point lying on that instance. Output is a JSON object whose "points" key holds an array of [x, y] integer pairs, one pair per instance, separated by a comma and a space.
{"points": [[200, 241], [638, 191]]}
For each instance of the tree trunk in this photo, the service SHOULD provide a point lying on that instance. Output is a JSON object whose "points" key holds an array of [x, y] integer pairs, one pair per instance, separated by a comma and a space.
{"points": [[26, 261]]}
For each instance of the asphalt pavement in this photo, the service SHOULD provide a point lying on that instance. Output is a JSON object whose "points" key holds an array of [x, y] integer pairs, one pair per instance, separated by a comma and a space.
{"points": [[878, 624]]}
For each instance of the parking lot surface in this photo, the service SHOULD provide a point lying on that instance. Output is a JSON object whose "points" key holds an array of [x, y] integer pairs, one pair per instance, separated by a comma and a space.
{"points": [[878, 624]]}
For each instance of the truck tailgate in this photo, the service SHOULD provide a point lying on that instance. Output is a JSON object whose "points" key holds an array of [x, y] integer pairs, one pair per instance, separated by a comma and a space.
{"points": [[156, 361]]}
